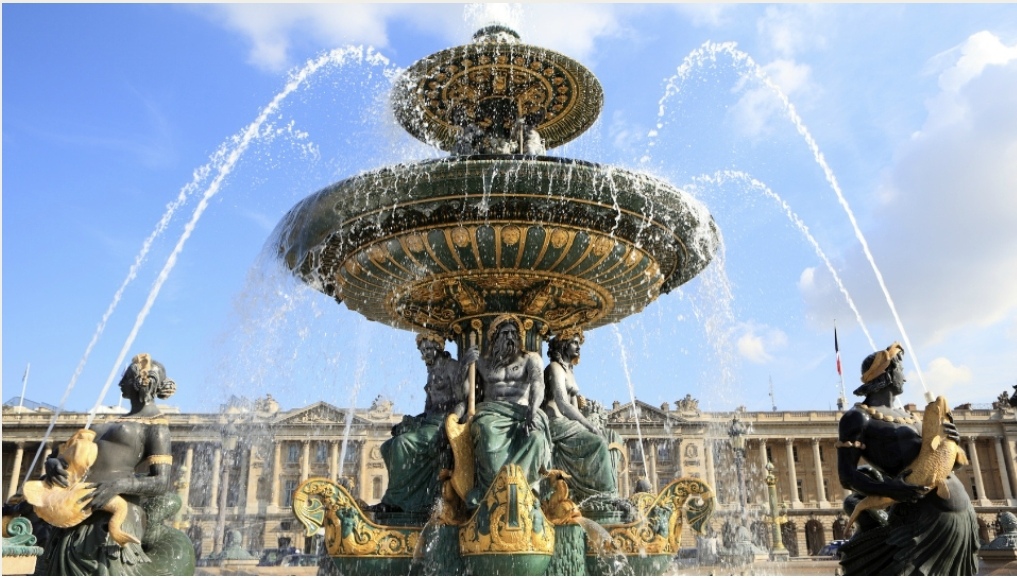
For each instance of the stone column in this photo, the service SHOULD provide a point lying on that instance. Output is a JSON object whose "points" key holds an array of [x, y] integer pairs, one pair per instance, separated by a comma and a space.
{"points": [[763, 460], [19, 453], [333, 461], [42, 459], [789, 444], [189, 465], [711, 476], [1004, 476], [362, 482], [976, 467], [216, 467], [251, 503], [276, 472], [1011, 459], [305, 460], [653, 466], [820, 482]]}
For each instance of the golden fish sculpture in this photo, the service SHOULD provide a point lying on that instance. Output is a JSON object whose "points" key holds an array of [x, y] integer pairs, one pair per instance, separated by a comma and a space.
{"points": [[938, 457], [64, 507]]}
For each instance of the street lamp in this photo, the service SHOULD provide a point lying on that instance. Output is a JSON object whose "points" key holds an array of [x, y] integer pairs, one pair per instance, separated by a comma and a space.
{"points": [[737, 433], [229, 445], [777, 516]]}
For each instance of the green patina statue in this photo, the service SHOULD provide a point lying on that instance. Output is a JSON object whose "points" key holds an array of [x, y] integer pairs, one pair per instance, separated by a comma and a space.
{"points": [[418, 449], [929, 530], [126, 491], [579, 446], [509, 426]]}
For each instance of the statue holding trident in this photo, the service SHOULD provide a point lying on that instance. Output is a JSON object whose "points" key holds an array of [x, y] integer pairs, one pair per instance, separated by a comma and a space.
{"points": [[509, 426]]}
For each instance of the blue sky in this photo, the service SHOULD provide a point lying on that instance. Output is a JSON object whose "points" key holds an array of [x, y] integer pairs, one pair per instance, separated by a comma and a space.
{"points": [[118, 116]]}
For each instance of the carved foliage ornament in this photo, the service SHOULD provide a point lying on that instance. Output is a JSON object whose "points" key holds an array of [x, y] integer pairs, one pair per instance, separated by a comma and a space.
{"points": [[319, 502], [659, 529]]}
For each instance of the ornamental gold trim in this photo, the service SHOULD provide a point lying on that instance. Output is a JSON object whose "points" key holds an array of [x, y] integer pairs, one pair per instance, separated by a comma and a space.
{"points": [[321, 503], [508, 521], [658, 531]]}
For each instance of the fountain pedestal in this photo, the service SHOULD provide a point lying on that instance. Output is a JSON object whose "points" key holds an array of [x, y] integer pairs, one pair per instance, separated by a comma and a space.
{"points": [[499, 230]]}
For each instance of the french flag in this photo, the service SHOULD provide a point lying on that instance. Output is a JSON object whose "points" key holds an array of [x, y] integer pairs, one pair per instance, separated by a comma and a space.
{"points": [[836, 347]]}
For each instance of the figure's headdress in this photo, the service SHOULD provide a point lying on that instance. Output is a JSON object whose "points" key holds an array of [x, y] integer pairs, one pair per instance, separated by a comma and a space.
{"points": [[874, 376], [148, 377], [431, 336], [881, 362], [568, 333], [499, 321]]}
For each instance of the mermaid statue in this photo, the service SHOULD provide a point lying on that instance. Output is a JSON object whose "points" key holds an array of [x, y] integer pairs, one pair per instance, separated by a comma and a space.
{"points": [[107, 491]]}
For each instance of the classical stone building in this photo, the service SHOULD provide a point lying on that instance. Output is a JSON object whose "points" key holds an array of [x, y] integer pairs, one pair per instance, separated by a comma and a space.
{"points": [[249, 457]]}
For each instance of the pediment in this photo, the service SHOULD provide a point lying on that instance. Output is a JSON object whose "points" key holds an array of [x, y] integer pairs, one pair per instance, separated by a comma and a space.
{"points": [[320, 413], [645, 412]]}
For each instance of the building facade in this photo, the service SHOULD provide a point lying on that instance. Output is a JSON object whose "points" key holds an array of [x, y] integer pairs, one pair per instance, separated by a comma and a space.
{"points": [[238, 468]]}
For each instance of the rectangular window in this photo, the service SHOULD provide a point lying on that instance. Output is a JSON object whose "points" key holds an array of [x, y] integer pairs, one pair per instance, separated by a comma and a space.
{"points": [[321, 452], [769, 456], [801, 491], [289, 487], [292, 453], [794, 450], [821, 457]]}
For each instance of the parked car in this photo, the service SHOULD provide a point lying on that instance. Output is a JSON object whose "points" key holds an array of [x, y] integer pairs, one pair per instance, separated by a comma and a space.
{"points": [[832, 548], [300, 560], [274, 556]]}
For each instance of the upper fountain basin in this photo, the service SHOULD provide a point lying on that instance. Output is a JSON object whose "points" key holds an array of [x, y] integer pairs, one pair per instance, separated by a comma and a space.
{"points": [[444, 243]]}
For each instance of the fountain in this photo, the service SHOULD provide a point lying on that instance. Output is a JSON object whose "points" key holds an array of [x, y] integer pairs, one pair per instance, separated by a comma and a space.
{"points": [[496, 238]]}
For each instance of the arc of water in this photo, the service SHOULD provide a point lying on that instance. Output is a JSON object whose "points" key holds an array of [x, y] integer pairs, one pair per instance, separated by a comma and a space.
{"points": [[721, 176], [241, 142], [709, 51], [199, 176], [632, 396]]}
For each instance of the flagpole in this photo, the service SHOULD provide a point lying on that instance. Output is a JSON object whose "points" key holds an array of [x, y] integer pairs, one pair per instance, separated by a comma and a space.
{"points": [[842, 402], [24, 385]]}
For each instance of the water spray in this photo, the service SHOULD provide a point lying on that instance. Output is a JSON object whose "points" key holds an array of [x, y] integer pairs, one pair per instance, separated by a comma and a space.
{"points": [[708, 52]]}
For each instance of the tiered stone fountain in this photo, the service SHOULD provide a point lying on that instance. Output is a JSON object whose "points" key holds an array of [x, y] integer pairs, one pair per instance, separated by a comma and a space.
{"points": [[449, 245]]}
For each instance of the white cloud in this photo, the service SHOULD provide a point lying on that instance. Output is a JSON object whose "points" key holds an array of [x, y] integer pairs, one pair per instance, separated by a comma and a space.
{"points": [[271, 28], [758, 344], [711, 15], [941, 375], [759, 107], [274, 30], [943, 227], [790, 30], [807, 280]]}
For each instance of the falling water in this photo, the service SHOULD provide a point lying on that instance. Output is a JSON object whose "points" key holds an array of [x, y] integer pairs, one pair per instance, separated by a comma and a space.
{"points": [[632, 396], [358, 382], [242, 142], [708, 53], [199, 176], [722, 176]]}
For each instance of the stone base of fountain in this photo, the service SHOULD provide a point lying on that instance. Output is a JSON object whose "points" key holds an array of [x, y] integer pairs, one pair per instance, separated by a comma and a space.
{"points": [[508, 534]]}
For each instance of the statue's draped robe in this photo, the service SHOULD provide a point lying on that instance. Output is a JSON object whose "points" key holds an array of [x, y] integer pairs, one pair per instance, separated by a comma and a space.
{"points": [[499, 437], [932, 537], [414, 459], [87, 549], [583, 455]]}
